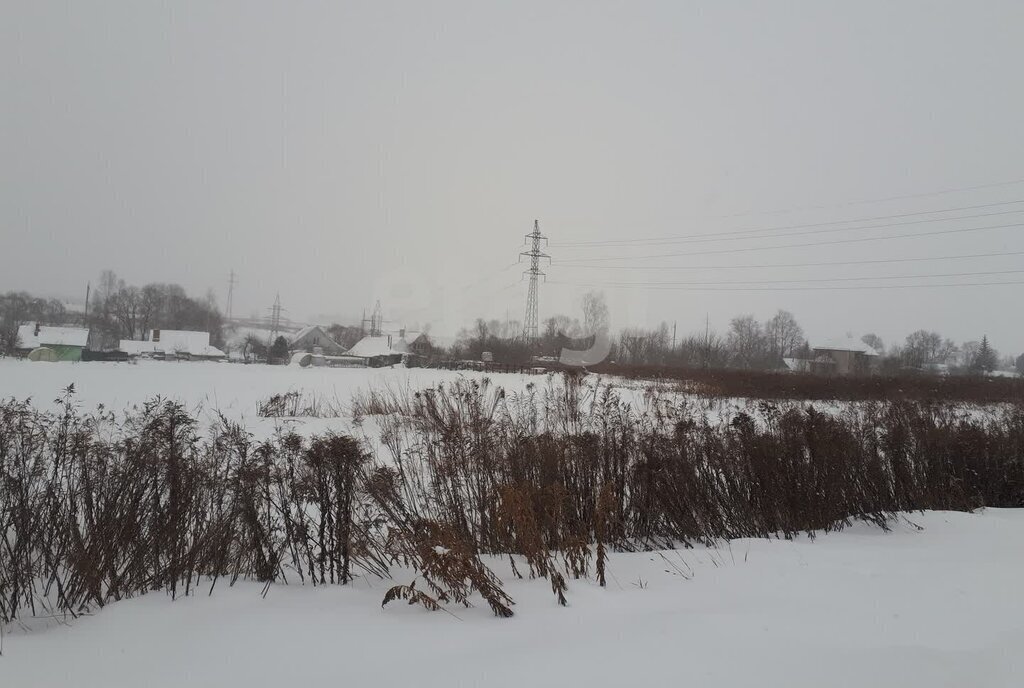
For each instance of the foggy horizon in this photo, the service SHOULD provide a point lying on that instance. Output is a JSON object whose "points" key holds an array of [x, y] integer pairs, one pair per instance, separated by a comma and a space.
{"points": [[341, 154]]}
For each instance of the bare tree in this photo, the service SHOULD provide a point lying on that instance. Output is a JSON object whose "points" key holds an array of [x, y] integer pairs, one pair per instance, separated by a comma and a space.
{"points": [[703, 350], [639, 345], [784, 334], [108, 284], [967, 353], [253, 348], [927, 347], [19, 307], [747, 341], [560, 324], [595, 313], [874, 341], [130, 312], [124, 306]]}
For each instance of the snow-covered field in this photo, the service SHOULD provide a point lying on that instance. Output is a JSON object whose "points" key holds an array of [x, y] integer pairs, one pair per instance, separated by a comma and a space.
{"points": [[232, 388], [235, 390], [229, 388], [935, 606]]}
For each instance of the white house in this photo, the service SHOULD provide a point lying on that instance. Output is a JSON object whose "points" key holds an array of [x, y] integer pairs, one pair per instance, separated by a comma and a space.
{"points": [[185, 343]]}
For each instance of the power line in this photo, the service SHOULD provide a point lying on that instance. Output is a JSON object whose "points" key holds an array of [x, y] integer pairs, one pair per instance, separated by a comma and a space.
{"points": [[856, 288], [871, 261], [816, 279], [802, 245], [925, 194], [726, 236], [490, 275]]}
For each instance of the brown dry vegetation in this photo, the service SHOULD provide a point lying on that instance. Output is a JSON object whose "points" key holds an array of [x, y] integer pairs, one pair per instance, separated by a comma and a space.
{"points": [[96, 508], [757, 384]]}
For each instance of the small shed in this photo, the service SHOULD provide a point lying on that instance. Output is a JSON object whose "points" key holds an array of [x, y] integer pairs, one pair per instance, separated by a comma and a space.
{"points": [[67, 343]]}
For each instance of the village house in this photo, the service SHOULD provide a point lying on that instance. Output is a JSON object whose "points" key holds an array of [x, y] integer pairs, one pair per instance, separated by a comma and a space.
{"points": [[376, 350], [173, 344], [845, 356], [413, 342], [312, 337], [58, 343]]}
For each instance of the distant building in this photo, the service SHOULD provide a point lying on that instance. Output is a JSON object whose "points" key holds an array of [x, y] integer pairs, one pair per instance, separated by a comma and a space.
{"points": [[67, 343], [309, 338], [846, 356], [940, 369], [413, 342], [377, 351], [799, 365], [173, 344]]}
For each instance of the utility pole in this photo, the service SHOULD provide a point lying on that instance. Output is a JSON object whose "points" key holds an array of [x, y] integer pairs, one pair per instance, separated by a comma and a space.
{"points": [[232, 280], [674, 323], [531, 331]]}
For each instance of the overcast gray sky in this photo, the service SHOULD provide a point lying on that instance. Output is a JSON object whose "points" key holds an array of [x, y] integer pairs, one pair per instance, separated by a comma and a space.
{"points": [[339, 151]]}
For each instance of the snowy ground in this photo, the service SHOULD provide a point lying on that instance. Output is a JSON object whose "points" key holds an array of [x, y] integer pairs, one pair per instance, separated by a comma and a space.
{"points": [[229, 388], [936, 607], [234, 389]]}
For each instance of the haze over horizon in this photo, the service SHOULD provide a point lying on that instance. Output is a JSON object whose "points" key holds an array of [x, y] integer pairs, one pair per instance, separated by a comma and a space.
{"points": [[338, 153]]}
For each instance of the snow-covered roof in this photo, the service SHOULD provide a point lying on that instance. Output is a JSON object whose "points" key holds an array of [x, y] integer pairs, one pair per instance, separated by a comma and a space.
{"points": [[442, 340], [179, 339], [845, 344], [173, 341], [51, 336], [372, 346], [134, 347], [301, 333]]}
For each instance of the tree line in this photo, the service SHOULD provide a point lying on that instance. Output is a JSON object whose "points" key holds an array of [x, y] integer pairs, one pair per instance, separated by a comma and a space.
{"points": [[124, 311], [117, 310], [749, 343]]}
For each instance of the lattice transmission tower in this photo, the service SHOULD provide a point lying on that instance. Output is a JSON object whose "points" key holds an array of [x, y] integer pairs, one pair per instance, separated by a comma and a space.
{"points": [[275, 318], [232, 281], [531, 331]]}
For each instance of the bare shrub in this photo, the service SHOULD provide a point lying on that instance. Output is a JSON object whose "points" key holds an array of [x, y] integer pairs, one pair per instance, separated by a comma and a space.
{"points": [[296, 404], [96, 508]]}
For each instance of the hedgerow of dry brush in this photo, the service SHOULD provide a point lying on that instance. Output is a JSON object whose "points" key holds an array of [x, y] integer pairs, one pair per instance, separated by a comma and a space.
{"points": [[97, 507]]}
